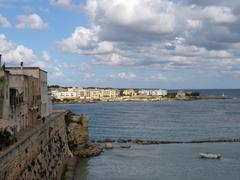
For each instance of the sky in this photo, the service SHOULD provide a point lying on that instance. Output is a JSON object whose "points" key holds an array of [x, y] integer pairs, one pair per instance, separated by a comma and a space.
{"points": [[169, 44]]}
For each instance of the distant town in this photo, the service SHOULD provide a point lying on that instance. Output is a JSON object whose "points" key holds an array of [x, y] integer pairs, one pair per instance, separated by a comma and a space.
{"points": [[94, 94]]}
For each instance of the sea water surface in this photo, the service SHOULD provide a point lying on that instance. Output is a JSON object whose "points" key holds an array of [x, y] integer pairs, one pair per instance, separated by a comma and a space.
{"points": [[168, 120]]}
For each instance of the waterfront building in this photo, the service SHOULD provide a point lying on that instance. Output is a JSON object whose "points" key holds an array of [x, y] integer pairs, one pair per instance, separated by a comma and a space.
{"points": [[85, 94], [64, 94], [23, 95], [129, 92], [109, 93], [95, 94], [181, 94], [156, 92]]}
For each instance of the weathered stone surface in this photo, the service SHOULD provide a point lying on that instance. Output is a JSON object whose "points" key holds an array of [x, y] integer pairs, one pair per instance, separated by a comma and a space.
{"points": [[89, 151], [80, 119], [77, 131], [77, 134], [39, 154]]}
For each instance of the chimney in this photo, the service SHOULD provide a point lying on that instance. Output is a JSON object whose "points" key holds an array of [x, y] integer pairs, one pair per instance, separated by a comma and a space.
{"points": [[21, 64]]}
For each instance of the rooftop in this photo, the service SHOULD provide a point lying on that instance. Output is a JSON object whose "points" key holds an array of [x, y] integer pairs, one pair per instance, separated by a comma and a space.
{"points": [[25, 68]]}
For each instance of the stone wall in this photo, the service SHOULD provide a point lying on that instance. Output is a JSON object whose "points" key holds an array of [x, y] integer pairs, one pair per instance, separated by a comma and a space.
{"points": [[40, 154]]}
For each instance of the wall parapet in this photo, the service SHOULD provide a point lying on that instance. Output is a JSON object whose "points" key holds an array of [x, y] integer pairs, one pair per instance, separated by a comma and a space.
{"points": [[35, 148]]}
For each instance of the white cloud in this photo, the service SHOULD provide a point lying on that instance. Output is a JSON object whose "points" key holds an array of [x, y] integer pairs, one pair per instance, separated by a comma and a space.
{"points": [[66, 4], [194, 23], [85, 41], [13, 53], [61, 2], [219, 14], [89, 75], [158, 77], [157, 34], [84, 67], [4, 22], [33, 21], [127, 76], [46, 56], [136, 16]]}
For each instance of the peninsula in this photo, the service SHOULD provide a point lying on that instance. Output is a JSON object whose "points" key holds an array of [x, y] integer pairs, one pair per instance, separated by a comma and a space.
{"points": [[94, 95]]}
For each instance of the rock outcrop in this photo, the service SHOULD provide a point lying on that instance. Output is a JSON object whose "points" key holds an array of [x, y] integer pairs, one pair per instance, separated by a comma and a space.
{"points": [[77, 135], [108, 145]]}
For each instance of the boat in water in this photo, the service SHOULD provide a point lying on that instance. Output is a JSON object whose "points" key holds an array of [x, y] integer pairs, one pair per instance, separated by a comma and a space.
{"points": [[209, 155]]}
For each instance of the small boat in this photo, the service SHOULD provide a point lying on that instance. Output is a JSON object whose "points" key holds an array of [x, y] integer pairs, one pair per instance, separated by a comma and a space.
{"points": [[209, 155]]}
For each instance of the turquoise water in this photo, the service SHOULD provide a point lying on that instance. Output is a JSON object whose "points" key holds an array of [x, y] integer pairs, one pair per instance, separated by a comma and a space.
{"points": [[171, 120]]}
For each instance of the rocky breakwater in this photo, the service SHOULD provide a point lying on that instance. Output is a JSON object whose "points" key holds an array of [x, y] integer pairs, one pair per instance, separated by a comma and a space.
{"points": [[77, 135]]}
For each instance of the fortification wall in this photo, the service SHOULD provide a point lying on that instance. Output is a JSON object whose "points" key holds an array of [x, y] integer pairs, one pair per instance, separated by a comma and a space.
{"points": [[39, 155]]}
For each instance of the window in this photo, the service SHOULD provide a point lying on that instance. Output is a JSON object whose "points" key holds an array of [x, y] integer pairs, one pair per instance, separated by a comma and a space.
{"points": [[13, 98]]}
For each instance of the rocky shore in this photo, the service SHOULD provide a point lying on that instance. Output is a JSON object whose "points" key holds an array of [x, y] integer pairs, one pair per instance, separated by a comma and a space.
{"points": [[139, 99], [77, 135], [149, 142], [78, 143]]}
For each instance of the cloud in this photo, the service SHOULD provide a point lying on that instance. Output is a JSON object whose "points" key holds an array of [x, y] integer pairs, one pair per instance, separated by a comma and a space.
{"points": [[158, 77], [85, 41], [13, 53], [66, 4], [46, 56], [122, 19], [126, 76], [4, 22], [33, 21], [89, 75], [194, 23], [82, 67], [159, 34], [219, 14]]}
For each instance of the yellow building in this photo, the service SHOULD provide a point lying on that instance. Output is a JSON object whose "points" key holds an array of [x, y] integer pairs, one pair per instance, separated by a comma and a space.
{"points": [[129, 92]]}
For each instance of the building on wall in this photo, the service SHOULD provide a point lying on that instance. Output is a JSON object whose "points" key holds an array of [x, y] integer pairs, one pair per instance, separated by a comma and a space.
{"points": [[18, 99], [41, 77], [4, 94], [155, 92], [23, 95], [50, 109]]}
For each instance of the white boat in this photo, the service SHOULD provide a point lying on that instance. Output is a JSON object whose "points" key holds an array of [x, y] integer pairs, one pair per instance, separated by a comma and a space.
{"points": [[209, 155]]}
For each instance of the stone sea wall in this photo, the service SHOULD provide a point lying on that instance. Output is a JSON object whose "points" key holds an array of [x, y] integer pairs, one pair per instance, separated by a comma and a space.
{"points": [[47, 150], [39, 155]]}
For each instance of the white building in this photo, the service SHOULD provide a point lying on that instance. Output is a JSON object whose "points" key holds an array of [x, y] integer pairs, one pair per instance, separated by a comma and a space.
{"points": [[64, 94], [158, 92], [23, 96], [85, 94]]}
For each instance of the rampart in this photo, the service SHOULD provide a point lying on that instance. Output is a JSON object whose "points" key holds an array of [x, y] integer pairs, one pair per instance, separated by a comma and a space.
{"points": [[40, 152]]}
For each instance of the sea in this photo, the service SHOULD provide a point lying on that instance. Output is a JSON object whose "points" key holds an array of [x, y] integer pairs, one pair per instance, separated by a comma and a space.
{"points": [[173, 120]]}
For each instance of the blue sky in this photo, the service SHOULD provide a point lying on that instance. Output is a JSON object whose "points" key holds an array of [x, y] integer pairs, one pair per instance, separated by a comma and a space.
{"points": [[121, 43]]}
